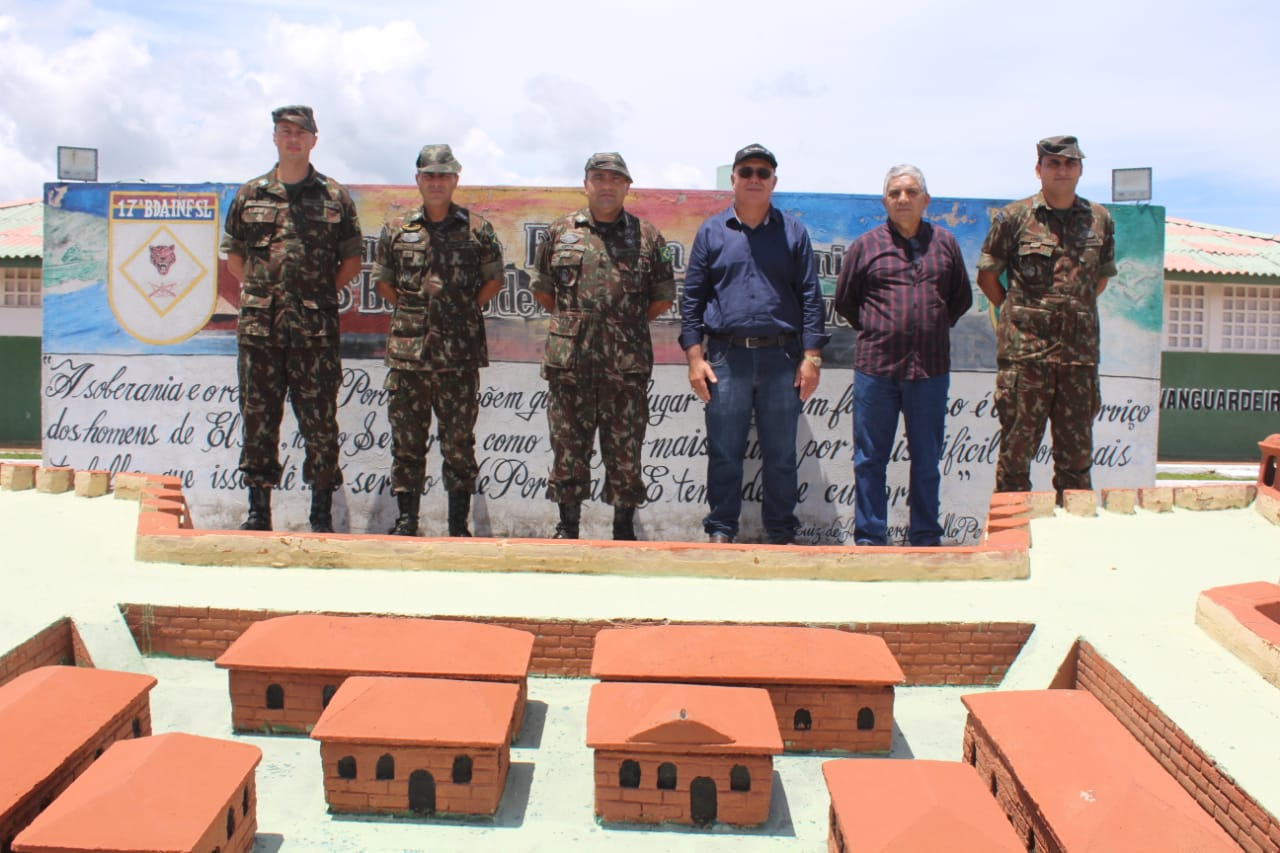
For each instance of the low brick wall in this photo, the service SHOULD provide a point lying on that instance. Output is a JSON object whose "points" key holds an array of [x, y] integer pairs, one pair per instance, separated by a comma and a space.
{"points": [[366, 793], [646, 803], [58, 644], [940, 653]]}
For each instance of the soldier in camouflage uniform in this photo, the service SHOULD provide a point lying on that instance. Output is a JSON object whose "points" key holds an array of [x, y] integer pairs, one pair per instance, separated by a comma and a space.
{"points": [[438, 267], [1057, 251], [603, 274], [293, 241]]}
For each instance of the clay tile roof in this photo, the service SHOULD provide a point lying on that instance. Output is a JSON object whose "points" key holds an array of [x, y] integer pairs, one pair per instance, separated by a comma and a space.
{"points": [[49, 713], [419, 711], [378, 645], [1096, 786], [1256, 606], [889, 805], [154, 793], [1193, 247], [690, 718], [743, 654], [22, 229]]}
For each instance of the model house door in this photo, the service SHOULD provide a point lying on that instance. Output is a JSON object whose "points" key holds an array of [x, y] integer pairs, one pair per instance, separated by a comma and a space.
{"points": [[702, 801], [422, 792]]}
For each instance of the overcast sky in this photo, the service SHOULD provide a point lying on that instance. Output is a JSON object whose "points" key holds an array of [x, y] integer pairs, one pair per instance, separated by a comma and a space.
{"points": [[176, 91]]}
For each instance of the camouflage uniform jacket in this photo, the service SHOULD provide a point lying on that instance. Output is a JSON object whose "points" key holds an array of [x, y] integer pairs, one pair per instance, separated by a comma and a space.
{"points": [[603, 278], [437, 270], [291, 250], [1051, 310]]}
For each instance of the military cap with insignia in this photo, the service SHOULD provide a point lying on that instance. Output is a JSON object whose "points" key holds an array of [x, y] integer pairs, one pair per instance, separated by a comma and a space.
{"points": [[755, 151], [297, 114], [1059, 146], [438, 160], [608, 161]]}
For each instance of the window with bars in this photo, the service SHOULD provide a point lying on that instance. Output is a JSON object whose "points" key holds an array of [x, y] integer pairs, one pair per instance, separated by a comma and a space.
{"points": [[21, 287], [1250, 318], [1185, 313]]}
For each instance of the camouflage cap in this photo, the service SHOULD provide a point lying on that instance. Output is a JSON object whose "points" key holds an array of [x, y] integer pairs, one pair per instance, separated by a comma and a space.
{"points": [[608, 161], [299, 115], [1060, 146], [755, 151], [437, 160]]}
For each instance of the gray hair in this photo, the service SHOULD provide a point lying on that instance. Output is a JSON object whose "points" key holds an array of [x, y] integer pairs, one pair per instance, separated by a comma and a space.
{"points": [[908, 170]]}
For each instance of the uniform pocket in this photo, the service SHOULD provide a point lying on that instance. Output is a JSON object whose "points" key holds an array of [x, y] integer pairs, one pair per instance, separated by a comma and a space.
{"points": [[318, 321], [328, 212], [255, 315], [563, 336], [1035, 262], [406, 336]]}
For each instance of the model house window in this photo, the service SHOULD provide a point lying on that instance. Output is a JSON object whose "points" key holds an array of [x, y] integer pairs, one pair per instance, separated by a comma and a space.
{"points": [[137, 727], [629, 774], [21, 287], [231, 823], [739, 778], [462, 770], [667, 776], [1250, 318], [347, 767], [326, 694], [275, 697], [803, 720], [386, 768], [1185, 317], [244, 801], [866, 719]]}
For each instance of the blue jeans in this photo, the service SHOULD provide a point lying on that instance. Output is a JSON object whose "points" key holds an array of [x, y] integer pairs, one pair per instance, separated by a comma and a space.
{"points": [[876, 404], [759, 381]]}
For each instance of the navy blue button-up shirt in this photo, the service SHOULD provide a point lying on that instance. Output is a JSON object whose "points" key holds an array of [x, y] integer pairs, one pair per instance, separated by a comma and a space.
{"points": [[752, 282]]}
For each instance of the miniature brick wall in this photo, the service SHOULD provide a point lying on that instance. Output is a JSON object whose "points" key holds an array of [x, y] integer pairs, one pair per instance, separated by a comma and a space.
{"points": [[1248, 824], [58, 644], [246, 823], [648, 804], [834, 711], [1023, 814], [955, 653], [366, 793]]}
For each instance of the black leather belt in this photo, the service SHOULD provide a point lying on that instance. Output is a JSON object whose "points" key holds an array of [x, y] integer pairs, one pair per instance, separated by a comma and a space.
{"points": [[753, 343]]}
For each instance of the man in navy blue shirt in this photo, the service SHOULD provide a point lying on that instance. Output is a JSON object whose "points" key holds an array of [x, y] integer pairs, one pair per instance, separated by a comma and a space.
{"points": [[902, 286], [752, 328]]}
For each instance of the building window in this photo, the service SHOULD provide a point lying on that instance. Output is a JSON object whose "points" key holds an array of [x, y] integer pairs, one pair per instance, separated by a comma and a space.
{"points": [[275, 697], [739, 778], [386, 767], [666, 776], [1250, 318], [21, 287], [347, 767], [462, 770], [629, 774], [1185, 317], [803, 720], [866, 719]]}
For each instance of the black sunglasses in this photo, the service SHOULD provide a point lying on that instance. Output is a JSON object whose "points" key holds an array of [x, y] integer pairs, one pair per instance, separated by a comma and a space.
{"points": [[760, 172]]}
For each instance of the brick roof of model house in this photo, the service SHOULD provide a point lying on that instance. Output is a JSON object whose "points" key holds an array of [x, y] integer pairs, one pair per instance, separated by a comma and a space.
{"points": [[48, 713], [1256, 606], [885, 805], [436, 711], [154, 793], [695, 718], [1094, 783], [375, 645], [755, 654]]}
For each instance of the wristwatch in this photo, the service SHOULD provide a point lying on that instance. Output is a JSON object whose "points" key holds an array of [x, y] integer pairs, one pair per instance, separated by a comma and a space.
{"points": [[815, 360]]}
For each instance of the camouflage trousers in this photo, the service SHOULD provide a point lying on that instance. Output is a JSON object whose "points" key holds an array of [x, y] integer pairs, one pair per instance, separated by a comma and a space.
{"points": [[1028, 394], [616, 406], [452, 394], [310, 376]]}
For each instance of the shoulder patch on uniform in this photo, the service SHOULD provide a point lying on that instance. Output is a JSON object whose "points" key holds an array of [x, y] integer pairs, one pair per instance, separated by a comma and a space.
{"points": [[664, 254], [413, 236]]}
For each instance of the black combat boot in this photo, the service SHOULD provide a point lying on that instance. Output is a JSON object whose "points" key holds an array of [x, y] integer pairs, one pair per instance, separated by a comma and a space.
{"points": [[407, 523], [624, 523], [259, 517], [322, 510], [570, 515], [459, 509]]}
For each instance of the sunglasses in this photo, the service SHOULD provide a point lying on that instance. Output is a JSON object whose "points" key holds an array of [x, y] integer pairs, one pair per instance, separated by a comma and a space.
{"points": [[760, 172]]}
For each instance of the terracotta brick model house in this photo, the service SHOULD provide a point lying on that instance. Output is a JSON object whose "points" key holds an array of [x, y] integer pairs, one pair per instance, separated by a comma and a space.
{"points": [[1071, 777], [416, 745], [831, 689], [168, 793], [54, 721], [887, 805], [682, 753], [282, 672]]}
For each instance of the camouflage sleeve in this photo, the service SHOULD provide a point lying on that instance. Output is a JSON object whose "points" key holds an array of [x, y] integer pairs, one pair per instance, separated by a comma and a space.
{"points": [[233, 235], [662, 281], [1107, 258], [995, 249], [350, 239], [542, 282], [384, 260], [490, 252]]}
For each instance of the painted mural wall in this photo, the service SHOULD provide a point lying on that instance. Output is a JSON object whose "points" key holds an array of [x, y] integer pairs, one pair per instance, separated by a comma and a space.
{"points": [[139, 366]]}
